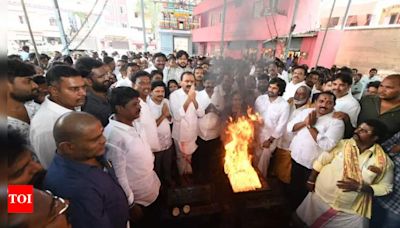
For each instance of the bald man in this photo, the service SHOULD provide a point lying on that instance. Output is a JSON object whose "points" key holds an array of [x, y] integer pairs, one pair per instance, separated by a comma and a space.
{"points": [[385, 106], [80, 173]]}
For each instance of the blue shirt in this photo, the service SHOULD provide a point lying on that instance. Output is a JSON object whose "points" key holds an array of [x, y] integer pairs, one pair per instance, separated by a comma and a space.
{"points": [[392, 201], [96, 198]]}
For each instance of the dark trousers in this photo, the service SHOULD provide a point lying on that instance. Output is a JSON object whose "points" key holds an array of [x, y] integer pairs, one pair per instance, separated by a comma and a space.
{"points": [[383, 218], [297, 187], [163, 165], [205, 159]]}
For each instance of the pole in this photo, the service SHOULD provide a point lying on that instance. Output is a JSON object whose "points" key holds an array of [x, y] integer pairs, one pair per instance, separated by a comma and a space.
{"points": [[326, 31], [292, 26], [223, 30], [30, 31], [63, 36], [345, 15], [144, 27]]}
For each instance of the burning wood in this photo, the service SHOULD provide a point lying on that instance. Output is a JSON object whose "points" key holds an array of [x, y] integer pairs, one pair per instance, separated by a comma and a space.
{"points": [[242, 176]]}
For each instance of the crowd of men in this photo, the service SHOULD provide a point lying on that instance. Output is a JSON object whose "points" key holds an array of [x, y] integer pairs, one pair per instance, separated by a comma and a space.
{"points": [[100, 138]]}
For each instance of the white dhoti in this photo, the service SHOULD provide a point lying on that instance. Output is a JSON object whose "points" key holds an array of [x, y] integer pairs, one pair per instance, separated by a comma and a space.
{"points": [[184, 151], [314, 212]]}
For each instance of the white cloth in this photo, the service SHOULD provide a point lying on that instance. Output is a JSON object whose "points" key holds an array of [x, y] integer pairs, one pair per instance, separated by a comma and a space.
{"points": [[274, 117], [124, 82], [348, 104], [291, 89], [41, 132], [174, 73], [185, 123], [358, 87], [133, 161], [284, 76], [313, 209], [21, 126], [210, 123], [366, 79], [150, 69], [31, 107], [148, 123], [304, 149], [163, 130], [287, 137]]}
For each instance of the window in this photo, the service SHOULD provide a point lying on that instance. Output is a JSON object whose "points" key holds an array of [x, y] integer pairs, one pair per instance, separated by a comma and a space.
{"points": [[393, 19], [121, 9], [333, 22], [136, 14], [21, 19], [52, 21]]}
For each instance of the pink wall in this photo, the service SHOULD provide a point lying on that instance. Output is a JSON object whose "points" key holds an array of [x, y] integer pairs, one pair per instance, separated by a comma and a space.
{"points": [[308, 46], [329, 50]]}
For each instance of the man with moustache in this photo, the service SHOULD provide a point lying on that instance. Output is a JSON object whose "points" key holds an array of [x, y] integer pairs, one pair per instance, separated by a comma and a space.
{"points": [[20, 89], [141, 82], [199, 75], [347, 107], [67, 93], [315, 131], [344, 179], [205, 159], [159, 60], [99, 82], [385, 106], [159, 107], [298, 79], [274, 111], [282, 158], [185, 112], [81, 174], [224, 89], [129, 150], [262, 84], [182, 61]]}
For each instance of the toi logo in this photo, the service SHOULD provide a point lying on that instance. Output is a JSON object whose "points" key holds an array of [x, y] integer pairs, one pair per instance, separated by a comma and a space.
{"points": [[20, 199]]}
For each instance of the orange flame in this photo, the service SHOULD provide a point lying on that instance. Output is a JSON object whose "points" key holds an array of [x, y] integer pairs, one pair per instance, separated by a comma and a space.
{"points": [[242, 176]]}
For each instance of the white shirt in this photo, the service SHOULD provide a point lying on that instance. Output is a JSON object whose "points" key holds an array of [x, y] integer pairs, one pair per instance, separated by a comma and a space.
{"points": [[304, 149], [124, 82], [41, 132], [291, 89], [358, 87], [21, 126], [174, 73], [210, 123], [274, 115], [348, 104], [185, 123], [220, 94], [133, 161], [366, 79], [148, 123], [284, 76], [286, 139], [163, 130]]}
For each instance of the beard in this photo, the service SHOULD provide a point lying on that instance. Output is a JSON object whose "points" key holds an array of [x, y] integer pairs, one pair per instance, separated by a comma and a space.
{"points": [[101, 87], [299, 102], [22, 97]]}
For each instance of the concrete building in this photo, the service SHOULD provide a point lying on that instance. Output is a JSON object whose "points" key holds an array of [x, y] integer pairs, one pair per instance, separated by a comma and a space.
{"points": [[261, 27], [175, 23], [118, 29]]}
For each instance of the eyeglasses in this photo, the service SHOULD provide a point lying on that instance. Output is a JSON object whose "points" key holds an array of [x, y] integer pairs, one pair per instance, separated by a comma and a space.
{"points": [[56, 203]]}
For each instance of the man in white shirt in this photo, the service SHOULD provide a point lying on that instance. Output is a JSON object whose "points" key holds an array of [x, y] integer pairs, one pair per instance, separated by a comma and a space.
{"points": [[129, 151], [67, 93], [298, 79], [141, 83], [131, 69], [182, 58], [282, 158], [159, 107], [274, 111], [347, 107], [159, 60], [205, 160], [315, 131], [185, 112], [273, 71], [372, 77], [224, 89]]}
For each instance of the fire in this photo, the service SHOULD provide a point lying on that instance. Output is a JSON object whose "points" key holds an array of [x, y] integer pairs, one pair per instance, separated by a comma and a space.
{"points": [[242, 176]]}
